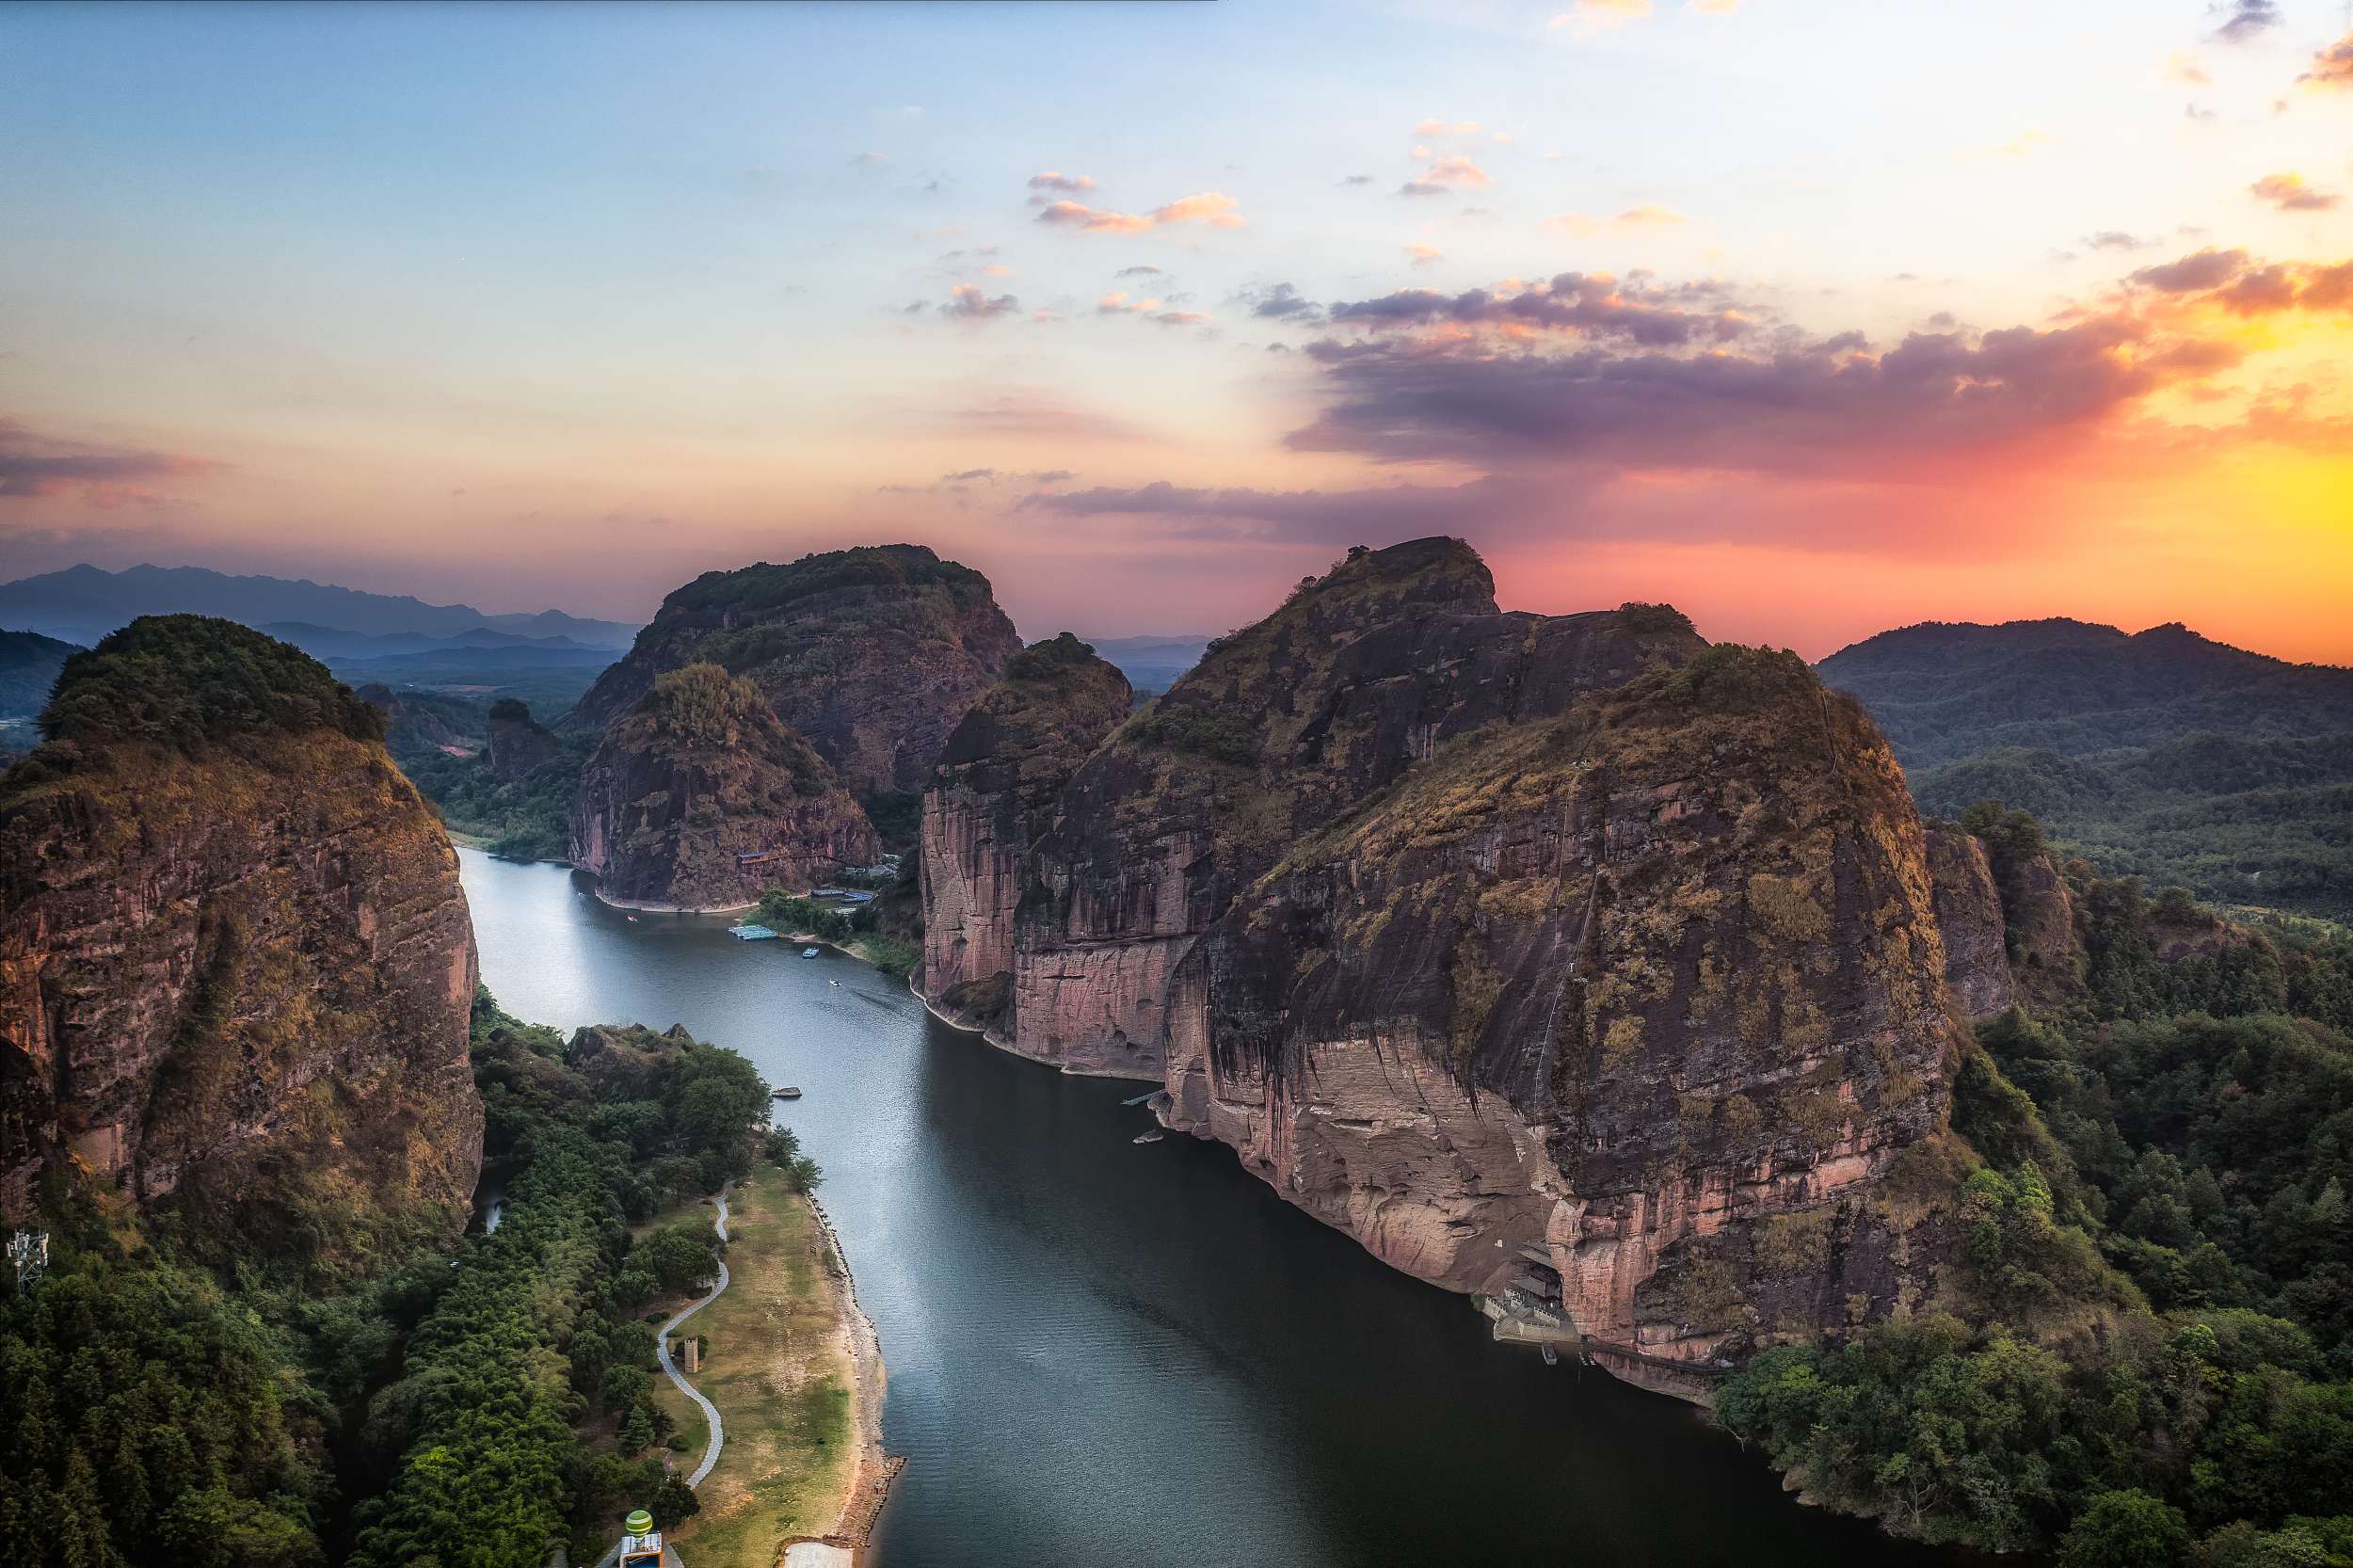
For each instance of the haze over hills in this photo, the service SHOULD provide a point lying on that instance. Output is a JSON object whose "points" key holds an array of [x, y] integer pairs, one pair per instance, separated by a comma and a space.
{"points": [[1942, 692], [83, 603]]}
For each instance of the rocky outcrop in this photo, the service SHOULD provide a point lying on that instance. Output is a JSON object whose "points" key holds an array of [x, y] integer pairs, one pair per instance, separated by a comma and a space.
{"points": [[1280, 728], [1563, 959], [872, 655], [1969, 915], [1638, 1005], [409, 727], [996, 780], [699, 798], [235, 961], [517, 742]]}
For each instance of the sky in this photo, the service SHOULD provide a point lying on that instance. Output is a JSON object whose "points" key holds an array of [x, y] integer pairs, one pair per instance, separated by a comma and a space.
{"points": [[1812, 318]]}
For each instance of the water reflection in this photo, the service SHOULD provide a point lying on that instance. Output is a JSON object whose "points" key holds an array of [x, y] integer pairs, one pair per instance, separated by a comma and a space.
{"points": [[1102, 1353]]}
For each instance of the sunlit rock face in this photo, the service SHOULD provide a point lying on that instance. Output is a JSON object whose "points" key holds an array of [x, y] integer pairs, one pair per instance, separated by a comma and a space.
{"points": [[998, 776], [236, 965], [1281, 728], [872, 655], [1561, 951], [700, 798], [1969, 914]]}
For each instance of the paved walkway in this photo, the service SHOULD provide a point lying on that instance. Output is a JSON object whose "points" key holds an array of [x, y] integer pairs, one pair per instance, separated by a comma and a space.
{"points": [[710, 1413]]}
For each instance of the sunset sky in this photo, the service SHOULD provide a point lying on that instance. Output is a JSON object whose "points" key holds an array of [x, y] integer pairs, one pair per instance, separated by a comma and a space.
{"points": [[1812, 318]]}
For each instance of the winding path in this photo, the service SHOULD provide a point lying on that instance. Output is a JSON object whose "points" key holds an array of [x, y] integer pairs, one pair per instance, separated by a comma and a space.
{"points": [[662, 1349]]}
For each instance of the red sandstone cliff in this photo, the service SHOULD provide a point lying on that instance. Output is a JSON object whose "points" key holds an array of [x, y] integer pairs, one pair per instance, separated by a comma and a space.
{"points": [[870, 655], [699, 798], [235, 961], [1552, 953], [996, 780]]}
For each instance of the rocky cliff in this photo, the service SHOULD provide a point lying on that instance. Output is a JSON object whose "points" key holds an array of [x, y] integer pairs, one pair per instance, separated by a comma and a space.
{"points": [[235, 962], [873, 655], [409, 727], [515, 743], [1563, 959], [1969, 913], [1278, 730], [1647, 995], [700, 798], [995, 784]]}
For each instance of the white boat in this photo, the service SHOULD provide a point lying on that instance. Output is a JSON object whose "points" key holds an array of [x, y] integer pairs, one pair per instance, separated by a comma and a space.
{"points": [[809, 953]]}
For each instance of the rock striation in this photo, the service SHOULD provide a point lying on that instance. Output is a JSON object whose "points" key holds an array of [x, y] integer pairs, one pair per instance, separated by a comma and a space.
{"points": [[700, 798], [872, 655], [1563, 959], [995, 783], [235, 960]]}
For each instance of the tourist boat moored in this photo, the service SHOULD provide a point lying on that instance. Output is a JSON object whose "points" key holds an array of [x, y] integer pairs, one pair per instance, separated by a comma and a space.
{"points": [[788, 1093]]}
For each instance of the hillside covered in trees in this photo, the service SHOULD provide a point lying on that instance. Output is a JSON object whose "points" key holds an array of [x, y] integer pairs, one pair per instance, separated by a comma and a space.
{"points": [[2143, 1351], [157, 1413], [1945, 693]]}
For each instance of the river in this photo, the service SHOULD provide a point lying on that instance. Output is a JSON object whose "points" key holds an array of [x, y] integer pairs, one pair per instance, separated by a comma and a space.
{"points": [[1106, 1352]]}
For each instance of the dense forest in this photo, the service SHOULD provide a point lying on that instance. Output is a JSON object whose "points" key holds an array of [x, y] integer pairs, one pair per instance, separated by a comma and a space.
{"points": [[2144, 1353], [152, 1413], [2265, 823]]}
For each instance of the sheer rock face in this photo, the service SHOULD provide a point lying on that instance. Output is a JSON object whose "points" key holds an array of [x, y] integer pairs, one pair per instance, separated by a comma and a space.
{"points": [[997, 776], [873, 655], [239, 982], [700, 799], [1969, 914], [1281, 728], [1526, 949], [1651, 991], [517, 742]]}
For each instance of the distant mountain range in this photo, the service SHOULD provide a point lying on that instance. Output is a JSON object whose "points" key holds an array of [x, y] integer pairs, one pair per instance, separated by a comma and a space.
{"points": [[83, 603], [1943, 693], [1152, 664]]}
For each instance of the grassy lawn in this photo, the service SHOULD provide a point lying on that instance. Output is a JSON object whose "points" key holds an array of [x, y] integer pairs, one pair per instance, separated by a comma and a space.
{"points": [[780, 1375]]}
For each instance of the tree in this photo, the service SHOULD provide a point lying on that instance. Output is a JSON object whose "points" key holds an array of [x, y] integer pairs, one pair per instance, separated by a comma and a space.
{"points": [[674, 1502], [2125, 1530]]}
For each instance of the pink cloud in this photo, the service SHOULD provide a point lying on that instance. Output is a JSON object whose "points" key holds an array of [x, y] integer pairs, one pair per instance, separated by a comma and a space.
{"points": [[965, 302], [2289, 194], [1209, 207], [1446, 172]]}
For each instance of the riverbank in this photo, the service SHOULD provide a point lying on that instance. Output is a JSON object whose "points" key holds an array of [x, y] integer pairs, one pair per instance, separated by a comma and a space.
{"points": [[793, 1371]]}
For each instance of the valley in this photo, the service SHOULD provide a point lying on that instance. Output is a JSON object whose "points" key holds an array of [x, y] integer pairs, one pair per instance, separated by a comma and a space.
{"points": [[1562, 981]]}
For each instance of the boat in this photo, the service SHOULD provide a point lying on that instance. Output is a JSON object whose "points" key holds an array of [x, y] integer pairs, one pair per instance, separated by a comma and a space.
{"points": [[788, 1093], [1152, 1137], [752, 934], [809, 953], [1552, 1357]]}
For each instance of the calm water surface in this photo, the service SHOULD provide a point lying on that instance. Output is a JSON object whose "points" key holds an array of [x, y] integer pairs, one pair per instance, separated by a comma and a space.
{"points": [[1105, 1353]]}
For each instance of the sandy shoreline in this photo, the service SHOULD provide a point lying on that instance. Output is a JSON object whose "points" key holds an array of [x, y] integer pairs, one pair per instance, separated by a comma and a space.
{"points": [[869, 1483]]}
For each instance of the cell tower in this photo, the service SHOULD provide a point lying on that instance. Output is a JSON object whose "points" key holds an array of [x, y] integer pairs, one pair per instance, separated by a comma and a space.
{"points": [[28, 1252]]}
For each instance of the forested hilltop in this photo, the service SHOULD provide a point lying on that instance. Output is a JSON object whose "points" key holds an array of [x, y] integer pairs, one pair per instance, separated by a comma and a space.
{"points": [[2159, 754], [2143, 1350], [1943, 693]]}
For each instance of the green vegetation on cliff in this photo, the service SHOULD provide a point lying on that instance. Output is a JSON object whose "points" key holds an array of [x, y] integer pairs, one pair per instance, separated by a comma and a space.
{"points": [[2144, 1351]]}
